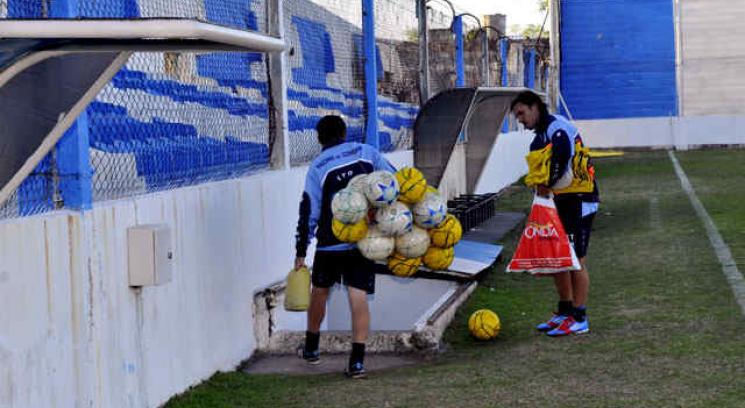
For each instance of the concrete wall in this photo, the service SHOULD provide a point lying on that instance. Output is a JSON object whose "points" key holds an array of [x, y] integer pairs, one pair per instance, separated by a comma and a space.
{"points": [[72, 332], [712, 78], [680, 132], [119, 347], [398, 303]]}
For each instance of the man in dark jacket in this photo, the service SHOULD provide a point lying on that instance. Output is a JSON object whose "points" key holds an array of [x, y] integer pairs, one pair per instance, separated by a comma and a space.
{"points": [[576, 210]]}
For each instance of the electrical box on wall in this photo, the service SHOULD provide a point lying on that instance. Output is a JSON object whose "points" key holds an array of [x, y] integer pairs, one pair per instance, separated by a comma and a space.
{"points": [[149, 255]]}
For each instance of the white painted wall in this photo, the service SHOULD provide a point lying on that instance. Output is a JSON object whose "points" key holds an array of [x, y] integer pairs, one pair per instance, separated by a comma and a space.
{"points": [[626, 132], [506, 164], [72, 333], [680, 132], [691, 131]]}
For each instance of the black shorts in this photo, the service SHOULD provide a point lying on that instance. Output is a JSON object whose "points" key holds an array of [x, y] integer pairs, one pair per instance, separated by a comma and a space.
{"points": [[577, 227], [329, 267]]}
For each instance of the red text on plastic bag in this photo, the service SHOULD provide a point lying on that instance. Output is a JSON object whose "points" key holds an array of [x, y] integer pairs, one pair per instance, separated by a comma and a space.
{"points": [[544, 246]]}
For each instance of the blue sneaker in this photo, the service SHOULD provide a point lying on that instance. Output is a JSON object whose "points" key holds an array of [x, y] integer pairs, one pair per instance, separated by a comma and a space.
{"points": [[581, 327], [310, 357], [356, 371], [552, 323], [570, 326]]}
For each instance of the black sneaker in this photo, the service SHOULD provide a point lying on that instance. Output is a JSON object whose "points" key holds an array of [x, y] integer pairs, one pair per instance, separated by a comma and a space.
{"points": [[310, 357], [356, 371]]}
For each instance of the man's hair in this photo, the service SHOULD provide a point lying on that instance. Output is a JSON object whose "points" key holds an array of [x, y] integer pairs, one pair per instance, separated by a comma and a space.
{"points": [[331, 130], [530, 98]]}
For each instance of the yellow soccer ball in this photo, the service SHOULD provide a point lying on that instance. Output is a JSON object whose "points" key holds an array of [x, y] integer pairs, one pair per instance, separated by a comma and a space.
{"points": [[484, 324], [448, 233], [403, 267], [349, 232], [438, 259], [412, 185]]}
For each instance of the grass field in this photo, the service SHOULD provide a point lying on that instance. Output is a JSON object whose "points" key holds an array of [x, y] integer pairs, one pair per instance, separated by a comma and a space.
{"points": [[666, 331]]}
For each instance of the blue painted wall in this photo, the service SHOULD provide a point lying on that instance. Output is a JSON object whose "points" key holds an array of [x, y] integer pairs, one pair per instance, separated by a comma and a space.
{"points": [[25, 9], [618, 58], [529, 56]]}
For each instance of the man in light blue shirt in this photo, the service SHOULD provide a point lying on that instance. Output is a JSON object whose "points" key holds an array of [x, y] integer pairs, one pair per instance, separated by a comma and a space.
{"points": [[334, 260]]}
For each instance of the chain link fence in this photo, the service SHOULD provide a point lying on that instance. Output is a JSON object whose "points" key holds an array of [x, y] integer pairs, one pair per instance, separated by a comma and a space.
{"points": [[174, 119], [40, 192], [473, 55], [441, 47], [325, 71], [397, 40], [327, 74], [168, 120], [494, 62]]}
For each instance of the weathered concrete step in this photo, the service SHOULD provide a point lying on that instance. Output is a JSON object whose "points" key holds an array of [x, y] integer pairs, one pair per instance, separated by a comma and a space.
{"points": [[330, 363]]}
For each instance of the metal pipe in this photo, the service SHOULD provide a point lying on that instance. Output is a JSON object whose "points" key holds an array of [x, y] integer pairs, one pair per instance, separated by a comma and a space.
{"points": [[371, 72], [423, 52], [485, 77], [460, 75], [460, 79], [172, 29], [452, 9], [530, 69], [279, 147], [478, 21]]}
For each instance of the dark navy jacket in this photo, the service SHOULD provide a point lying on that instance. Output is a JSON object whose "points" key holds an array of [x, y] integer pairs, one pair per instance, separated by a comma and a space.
{"points": [[562, 135], [327, 174]]}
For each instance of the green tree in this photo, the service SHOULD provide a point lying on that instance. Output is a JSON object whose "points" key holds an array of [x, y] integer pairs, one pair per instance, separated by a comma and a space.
{"points": [[532, 30]]}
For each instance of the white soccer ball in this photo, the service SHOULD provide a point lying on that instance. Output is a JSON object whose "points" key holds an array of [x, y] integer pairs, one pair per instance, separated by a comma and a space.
{"points": [[413, 244], [358, 183], [376, 245], [431, 211], [381, 188], [349, 206], [395, 219]]}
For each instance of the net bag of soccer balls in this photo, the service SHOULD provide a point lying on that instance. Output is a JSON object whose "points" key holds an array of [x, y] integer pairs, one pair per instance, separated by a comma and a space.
{"points": [[397, 219]]}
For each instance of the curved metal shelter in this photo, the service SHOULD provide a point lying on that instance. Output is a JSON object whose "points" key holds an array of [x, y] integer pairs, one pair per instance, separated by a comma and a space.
{"points": [[475, 113]]}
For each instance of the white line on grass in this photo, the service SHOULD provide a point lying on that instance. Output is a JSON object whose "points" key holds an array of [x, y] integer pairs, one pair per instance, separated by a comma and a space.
{"points": [[655, 218], [734, 277]]}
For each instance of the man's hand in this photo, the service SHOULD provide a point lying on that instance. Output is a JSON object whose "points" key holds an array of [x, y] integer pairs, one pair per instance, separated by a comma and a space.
{"points": [[299, 262], [543, 191]]}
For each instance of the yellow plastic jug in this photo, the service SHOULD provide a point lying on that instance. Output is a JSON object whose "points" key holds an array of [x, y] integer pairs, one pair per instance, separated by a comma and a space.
{"points": [[297, 292]]}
